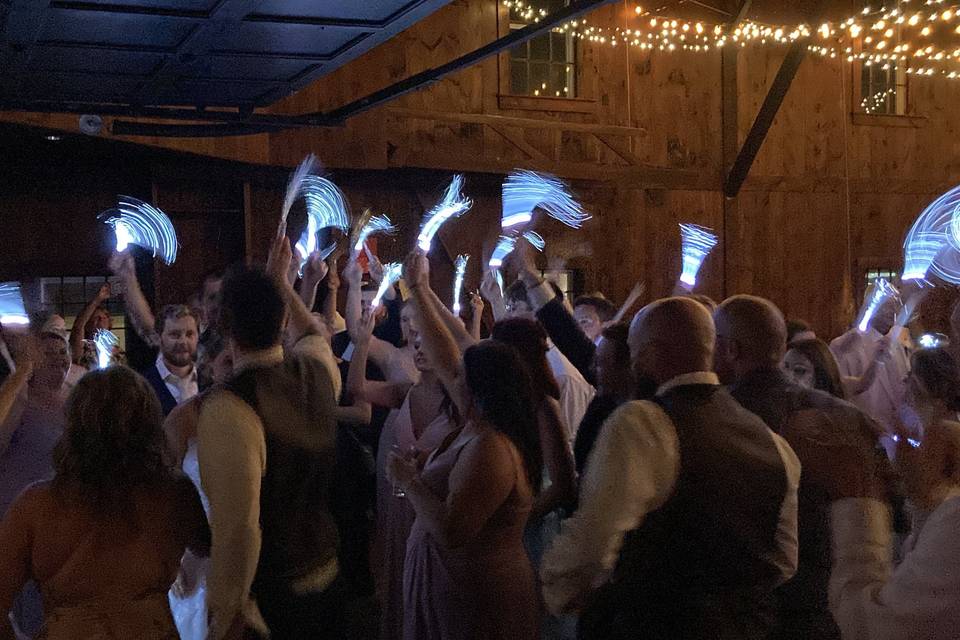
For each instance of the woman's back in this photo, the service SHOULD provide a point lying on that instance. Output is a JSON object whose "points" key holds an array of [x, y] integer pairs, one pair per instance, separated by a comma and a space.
{"points": [[103, 576]]}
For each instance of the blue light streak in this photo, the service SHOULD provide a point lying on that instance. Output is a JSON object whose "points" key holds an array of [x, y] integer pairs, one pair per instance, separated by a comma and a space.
{"points": [[460, 272], [137, 222], [453, 204], [697, 242]]}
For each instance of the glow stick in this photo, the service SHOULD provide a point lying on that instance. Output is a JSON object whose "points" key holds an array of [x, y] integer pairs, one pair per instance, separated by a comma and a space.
{"points": [[369, 225], [452, 205], [105, 341], [136, 222], [391, 273], [934, 233], [12, 309], [504, 247], [326, 208], [535, 240], [460, 272], [523, 191], [308, 166], [882, 292], [696, 243], [499, 278]]}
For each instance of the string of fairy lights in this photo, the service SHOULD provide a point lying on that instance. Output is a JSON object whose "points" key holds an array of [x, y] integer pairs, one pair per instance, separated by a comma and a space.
{"points": [[923, 36]]}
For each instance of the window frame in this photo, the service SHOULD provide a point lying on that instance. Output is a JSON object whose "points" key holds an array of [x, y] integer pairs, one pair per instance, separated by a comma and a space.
{"points": [[583, 102]]}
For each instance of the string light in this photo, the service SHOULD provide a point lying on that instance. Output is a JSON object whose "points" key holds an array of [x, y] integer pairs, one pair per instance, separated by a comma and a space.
{"points": [[923, 39]]}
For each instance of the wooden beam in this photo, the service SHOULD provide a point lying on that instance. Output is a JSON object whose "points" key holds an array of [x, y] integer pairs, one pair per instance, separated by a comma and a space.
{"points": [[508, 121], [761, 126], [521, 144]]}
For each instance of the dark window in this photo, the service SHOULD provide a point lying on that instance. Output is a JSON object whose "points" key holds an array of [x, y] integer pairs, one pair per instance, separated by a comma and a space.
{"points": [[546, 65], [883, 89], [67, 296]]}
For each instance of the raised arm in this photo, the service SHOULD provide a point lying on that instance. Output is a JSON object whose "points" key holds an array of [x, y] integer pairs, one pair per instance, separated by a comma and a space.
{"points": [[854, 386], [80, 323], [438, 342], [144, 322], [476, 318], [490, 289], [361, 392], [313, 274], [558, 461], [13, 393], [301, 322], [555, 317], [333, 287]]}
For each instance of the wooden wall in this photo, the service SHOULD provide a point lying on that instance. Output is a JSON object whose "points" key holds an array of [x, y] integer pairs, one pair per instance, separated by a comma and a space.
{"points": [[830, 194]]}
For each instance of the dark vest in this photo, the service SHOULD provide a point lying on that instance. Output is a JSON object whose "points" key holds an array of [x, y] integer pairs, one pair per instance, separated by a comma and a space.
{"points": [[696, 568], [167, 401], [295, 401]]}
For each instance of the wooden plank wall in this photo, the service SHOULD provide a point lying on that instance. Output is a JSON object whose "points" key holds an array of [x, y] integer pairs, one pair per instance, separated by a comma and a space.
{"points": [[830, 194]]}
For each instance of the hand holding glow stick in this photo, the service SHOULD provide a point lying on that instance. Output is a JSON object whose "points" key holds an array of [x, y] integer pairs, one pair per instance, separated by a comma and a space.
{"points": [[368, 225], [879, 293], [391, 274], [460, 270], [137, 222], [106, 341], [452, 205]]}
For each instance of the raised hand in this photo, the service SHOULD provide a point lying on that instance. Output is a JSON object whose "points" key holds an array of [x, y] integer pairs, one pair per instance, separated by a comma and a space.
{"points": [[489, 287], [279, 258], [416, 270], [122, 265], [352, 273], [315, 269], [476, 303]]}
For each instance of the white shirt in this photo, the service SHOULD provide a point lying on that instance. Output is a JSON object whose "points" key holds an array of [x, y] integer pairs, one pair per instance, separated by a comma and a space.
{"points": [[883, 399], [233, 456], [575, 392], [920, 598], [631, 472], [182, 389]]}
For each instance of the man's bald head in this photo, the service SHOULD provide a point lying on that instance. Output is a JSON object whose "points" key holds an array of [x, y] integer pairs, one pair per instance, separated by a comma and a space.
{"points": [[751, 334], [670, 337]]}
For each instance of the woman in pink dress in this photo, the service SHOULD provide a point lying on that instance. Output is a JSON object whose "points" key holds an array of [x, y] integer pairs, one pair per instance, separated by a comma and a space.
{"points": [[422, 417], [466, 573]]}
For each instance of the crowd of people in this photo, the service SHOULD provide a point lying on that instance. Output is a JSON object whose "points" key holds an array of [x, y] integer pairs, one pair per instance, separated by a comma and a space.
{"points": [[290, 467]]}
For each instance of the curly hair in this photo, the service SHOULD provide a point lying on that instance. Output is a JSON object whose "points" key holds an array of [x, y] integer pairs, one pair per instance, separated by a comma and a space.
{"points": [[940, 374], [113, 442]]}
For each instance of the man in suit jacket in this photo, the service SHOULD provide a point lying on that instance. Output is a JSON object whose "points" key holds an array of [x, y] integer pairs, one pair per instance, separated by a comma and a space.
{"points": [[751, 342]]}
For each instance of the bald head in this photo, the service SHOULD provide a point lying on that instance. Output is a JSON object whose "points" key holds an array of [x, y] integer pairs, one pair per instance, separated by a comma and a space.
{"points": [[670, 337], [751, 334]]}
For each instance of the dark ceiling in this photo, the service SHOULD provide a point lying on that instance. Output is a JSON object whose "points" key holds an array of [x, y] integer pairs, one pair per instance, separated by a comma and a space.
{"points": [[195, 53]]}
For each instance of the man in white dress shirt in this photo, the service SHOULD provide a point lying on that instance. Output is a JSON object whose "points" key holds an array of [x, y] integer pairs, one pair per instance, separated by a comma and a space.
{"points": [[687, 517]]}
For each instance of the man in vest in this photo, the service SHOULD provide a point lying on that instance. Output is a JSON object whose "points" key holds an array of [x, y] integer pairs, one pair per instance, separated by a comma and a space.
{"points": [[266, 451], [751, 342], [687, 517]]}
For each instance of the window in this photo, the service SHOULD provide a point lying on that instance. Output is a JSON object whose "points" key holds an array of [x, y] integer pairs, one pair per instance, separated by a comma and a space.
{"points": [[547, 64], [565, 280], [890, 275], [883, 89], [67, 296]]}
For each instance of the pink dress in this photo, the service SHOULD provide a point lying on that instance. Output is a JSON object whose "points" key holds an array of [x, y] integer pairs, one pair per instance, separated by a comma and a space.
{"points": [[395, 516], [484, 590]]}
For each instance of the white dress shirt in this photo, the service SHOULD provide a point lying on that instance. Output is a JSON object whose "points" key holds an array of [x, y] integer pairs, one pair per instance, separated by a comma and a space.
{"points": [[575, 392], [232, 452], [631, 472], [920, 598], [182, 389], [882, 400]]}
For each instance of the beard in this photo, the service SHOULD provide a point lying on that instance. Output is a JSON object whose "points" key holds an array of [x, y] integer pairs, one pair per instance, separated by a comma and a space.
{"points": [[178, 358]]}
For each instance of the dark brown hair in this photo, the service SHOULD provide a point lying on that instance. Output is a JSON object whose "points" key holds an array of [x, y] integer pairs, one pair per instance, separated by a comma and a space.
{"points": [[529, 339], [113, 442], [826, 373], [939, 373]]}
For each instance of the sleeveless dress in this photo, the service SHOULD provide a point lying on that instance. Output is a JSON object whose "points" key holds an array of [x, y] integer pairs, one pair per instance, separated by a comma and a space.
{"points": [[484, 590], [395, 516], [190, 612]]}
